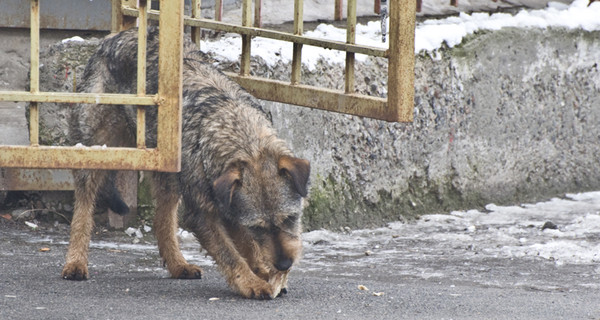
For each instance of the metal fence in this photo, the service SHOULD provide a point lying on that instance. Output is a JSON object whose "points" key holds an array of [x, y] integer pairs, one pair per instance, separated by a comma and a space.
{"points": [[399, 103], [167, 154]]}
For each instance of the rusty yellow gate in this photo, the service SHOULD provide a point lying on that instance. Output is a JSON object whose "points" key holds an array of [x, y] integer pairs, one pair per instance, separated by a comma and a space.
{"points": [[166, 156], [398, 107]]}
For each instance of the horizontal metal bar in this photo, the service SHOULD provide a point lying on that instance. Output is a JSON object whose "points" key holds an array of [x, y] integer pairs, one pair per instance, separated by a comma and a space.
{"points": [[95, 157], [69, 97], [14, 179], [324, 99], [271, 34]]}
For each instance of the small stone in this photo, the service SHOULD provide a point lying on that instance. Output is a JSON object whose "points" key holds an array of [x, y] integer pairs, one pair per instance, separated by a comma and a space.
{"points": [[22, 214], [549, 225]]}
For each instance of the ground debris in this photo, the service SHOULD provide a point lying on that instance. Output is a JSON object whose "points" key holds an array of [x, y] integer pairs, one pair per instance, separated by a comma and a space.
{"points": [[32, 225]]}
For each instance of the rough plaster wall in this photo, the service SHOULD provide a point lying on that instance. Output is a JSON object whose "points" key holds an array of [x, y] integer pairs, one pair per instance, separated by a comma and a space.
{"points": [[508, 116]]}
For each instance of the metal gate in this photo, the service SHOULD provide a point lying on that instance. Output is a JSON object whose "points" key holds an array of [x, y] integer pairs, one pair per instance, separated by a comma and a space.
{"points": [[167, 154], [398, 107]]}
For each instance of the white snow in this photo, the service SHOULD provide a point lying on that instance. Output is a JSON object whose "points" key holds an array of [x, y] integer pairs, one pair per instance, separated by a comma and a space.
{"points": [[510, 232], [73, 39], [430, 35]]}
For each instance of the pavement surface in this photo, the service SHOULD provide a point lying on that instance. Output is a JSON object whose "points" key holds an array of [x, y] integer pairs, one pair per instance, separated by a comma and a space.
{"points": [[128, 282]]}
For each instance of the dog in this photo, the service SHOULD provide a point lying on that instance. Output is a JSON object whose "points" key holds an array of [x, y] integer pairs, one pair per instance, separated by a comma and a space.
{"points": [[241, 186]]}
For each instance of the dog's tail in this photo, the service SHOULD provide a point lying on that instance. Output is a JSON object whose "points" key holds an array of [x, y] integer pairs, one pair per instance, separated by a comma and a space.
{"points": [[111, 197]]}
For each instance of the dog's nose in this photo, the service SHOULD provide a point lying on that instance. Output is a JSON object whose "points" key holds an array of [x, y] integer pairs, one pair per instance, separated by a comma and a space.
{"points": [[283, 264]]}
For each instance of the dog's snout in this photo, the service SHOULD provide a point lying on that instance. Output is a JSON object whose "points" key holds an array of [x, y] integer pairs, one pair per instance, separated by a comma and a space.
{"points": [[283, 264]]}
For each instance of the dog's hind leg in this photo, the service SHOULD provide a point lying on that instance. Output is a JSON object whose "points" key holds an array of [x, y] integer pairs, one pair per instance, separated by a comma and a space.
{"points": [[166, 193], [87, 185]]}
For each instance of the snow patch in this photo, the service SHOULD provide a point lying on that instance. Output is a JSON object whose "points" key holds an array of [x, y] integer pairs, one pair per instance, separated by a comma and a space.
{"points": [[430, 35]]}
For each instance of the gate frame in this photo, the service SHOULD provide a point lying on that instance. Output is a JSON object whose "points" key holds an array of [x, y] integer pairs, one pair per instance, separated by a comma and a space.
{"points": [[399, 105], [167, 154]]}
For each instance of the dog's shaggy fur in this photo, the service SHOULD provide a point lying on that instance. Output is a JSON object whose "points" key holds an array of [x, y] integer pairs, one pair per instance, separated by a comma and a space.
{"points": [[241, 185]]}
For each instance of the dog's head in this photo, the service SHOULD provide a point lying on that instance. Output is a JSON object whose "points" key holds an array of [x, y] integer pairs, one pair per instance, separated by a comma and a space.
{"points": [[261, 202]]}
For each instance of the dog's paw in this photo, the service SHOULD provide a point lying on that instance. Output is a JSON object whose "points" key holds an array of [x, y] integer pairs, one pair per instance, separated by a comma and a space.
{"points": [[255, 288], [75, 271], [186, 271], [282, 292]]}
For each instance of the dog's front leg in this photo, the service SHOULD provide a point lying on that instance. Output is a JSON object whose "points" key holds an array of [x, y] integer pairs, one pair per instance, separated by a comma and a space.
{"points": [[87, 184], [165, 228], [214, 239]]}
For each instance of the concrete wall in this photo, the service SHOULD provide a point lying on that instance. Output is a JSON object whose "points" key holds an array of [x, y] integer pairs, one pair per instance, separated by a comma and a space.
{"points": [[507, 117], [75, 15]]}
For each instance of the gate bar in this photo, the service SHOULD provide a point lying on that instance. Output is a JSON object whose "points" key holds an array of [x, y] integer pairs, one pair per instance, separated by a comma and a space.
{"points": [[350, 38], [196, 13], [141, 73], [170, 85], [297, 53], [246, 39], [402, 43], [72, 97], [34, 81]]}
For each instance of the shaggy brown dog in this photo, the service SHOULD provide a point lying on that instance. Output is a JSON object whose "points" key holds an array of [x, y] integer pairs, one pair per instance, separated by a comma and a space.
{"points": [[241, 185]]}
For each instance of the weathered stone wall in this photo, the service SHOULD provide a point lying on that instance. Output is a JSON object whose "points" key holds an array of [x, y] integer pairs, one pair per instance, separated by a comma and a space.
{"points": [[508, 116]]}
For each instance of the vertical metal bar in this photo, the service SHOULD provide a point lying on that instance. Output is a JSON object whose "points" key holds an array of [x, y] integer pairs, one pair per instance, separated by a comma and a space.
{"points": [[350, 38], [170, 96], [258, 13], [119, 21], [377, 6], [246, 39], [196, 13], [141, 72], [454, 3], [401, 60], [34, 79], [218, 10], [116, 16], [298, 30], [419, 5], [337, 13]]}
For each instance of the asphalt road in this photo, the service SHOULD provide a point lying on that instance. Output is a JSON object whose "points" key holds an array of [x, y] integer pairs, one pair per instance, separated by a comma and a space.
{"points": [[131, 284]]}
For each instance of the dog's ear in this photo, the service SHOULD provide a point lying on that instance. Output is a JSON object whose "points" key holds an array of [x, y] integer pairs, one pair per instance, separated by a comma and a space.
{"points": [[225, 185], [299, 171]]}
